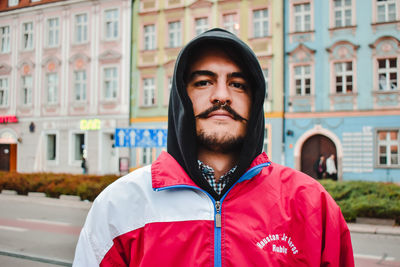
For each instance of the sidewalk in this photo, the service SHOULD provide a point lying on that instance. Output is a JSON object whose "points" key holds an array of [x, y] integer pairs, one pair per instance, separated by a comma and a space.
{"points": [[374, 229]]}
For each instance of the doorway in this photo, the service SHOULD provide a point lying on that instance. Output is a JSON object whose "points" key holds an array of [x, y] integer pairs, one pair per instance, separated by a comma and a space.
{"points": [[8, 157], [312, 148]]}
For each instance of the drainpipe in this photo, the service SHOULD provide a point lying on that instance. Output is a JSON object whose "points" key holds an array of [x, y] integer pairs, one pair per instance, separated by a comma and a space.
{"points": [[284, 83]]}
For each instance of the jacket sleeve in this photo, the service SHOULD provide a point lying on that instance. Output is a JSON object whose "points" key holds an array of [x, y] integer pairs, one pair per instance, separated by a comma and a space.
{"points": [[337, 249], [85, 252]]}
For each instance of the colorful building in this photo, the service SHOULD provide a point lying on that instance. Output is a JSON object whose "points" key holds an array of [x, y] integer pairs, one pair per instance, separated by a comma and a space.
{"points": [[342, 92], [64, 84], [162, 28]]}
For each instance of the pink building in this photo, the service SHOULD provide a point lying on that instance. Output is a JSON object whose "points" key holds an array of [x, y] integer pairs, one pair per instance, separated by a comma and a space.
{"points": [[64, 84]]}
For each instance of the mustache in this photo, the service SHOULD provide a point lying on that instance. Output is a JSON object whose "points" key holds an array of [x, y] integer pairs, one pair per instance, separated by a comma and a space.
{"points": [[222, 106]]}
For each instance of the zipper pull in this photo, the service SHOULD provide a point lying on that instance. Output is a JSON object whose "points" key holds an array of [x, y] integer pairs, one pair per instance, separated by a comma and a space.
{"points": [[218, 214]]}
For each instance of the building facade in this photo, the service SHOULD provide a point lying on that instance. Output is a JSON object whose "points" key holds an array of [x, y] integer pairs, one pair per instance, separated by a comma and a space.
{"points": [[64, 84], [162, 28], [342, 86]]}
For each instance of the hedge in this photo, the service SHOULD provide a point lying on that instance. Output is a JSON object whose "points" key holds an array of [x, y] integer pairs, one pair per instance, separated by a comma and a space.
{"points": [[355, 198], [366, 199], [87, 187]]}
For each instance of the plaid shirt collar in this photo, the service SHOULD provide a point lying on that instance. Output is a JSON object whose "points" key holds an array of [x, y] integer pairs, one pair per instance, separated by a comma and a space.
{"points": [[209, 175]]}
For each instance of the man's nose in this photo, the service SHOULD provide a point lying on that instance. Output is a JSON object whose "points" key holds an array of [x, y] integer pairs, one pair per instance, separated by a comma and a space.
{"points": [[221, 94]]}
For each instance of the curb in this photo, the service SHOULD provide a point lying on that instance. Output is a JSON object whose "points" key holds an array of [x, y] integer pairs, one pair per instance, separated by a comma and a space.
{"points": [[36, 194], [9, 192], [374, 229]]}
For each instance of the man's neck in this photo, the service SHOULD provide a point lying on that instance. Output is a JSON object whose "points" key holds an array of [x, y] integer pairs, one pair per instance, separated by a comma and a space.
{"points": [[220, 162]]}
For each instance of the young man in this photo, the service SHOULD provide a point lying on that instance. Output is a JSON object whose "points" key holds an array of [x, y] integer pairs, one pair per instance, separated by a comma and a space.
{"points": [[214, 199]]}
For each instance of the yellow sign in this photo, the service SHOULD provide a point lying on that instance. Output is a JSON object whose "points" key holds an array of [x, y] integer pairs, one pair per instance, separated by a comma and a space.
{"points": [[90, 125]]}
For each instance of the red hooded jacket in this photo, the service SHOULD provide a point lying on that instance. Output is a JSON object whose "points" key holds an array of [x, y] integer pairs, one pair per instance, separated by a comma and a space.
{"points": [[157, 216]]}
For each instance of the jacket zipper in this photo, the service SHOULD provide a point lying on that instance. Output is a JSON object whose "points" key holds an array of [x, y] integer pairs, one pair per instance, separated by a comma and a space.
{"points": [[217, 214], [217, 205], [217, 234]]}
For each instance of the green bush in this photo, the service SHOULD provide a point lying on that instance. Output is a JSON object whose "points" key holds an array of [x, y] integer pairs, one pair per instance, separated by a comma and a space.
{"points": [[366, 199], [55, 184]]}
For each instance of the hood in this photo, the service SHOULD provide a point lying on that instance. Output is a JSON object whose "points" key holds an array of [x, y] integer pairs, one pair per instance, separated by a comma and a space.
{"points": [[181, 142]]}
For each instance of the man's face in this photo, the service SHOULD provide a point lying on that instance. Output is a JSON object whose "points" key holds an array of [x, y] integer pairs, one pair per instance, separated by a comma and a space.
{"points": [[221, 100]]}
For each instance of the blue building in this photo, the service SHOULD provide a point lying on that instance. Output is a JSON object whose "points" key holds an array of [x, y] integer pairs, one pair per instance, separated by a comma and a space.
{"points": [[342, 92]]}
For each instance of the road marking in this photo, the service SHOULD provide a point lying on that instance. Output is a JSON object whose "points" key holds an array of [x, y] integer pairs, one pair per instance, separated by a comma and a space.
{"points": [[373, 257], [43, 221], [36, 258], [46, 226], [10, 228]]}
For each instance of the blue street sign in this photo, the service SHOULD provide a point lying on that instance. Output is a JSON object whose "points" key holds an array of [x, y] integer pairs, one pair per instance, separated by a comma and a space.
{"points": [[130, 137]]}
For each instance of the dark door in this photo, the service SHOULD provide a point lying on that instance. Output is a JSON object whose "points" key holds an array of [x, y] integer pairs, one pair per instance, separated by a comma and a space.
{"points": [[313, 147], [4, 157]]}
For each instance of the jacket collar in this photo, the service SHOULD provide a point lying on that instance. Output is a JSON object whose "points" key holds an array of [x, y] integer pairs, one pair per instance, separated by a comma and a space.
{"points": [[166, 171]]}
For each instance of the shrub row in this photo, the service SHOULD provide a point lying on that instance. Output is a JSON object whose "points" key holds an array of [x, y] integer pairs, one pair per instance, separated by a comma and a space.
{"points": [[366, 199], [54, 185], [355, 198]]}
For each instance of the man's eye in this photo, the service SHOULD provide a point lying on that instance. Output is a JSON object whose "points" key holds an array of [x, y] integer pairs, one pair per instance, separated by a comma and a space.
{"points": [[202, 83], [238, 85]]}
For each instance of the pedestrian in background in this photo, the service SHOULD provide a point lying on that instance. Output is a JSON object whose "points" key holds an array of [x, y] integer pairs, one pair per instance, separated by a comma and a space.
{"points": [[331, 171], [84, 165], [320, 167], [214, 199]]}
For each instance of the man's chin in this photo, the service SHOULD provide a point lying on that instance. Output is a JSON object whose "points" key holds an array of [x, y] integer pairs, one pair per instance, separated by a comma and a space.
{"points": [[220, 143]]}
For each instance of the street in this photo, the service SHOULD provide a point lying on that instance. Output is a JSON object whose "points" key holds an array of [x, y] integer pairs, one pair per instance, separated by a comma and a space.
{"points": [[42, 232], [39, 231]]}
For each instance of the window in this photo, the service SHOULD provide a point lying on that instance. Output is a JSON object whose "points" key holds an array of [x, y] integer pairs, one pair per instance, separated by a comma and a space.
{"points": [[110, 83], [3, 92], [13, 2], [302, 77], [387, 74], [229, 22], [27, 90], [80, 85], [344, 77], [27, 35], [146, 156], [342, 11], [81, 28], [169, 84], [260, 23], [51, 147], [149, 33], [148, 92], [302, 17], [5, 39], [386, 10], [266, 77], [174, 32], [52, 88], [201, 25], [388, 148], [53, 29], [79, 146], [111, 24], [266, 140]]}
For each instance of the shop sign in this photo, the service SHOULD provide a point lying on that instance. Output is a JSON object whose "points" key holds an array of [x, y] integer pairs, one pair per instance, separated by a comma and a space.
{"points": [[90, 125], [8, 119]]}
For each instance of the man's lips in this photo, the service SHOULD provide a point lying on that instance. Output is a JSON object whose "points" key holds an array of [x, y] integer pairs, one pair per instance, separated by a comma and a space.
{"points": [[220, 114]]}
